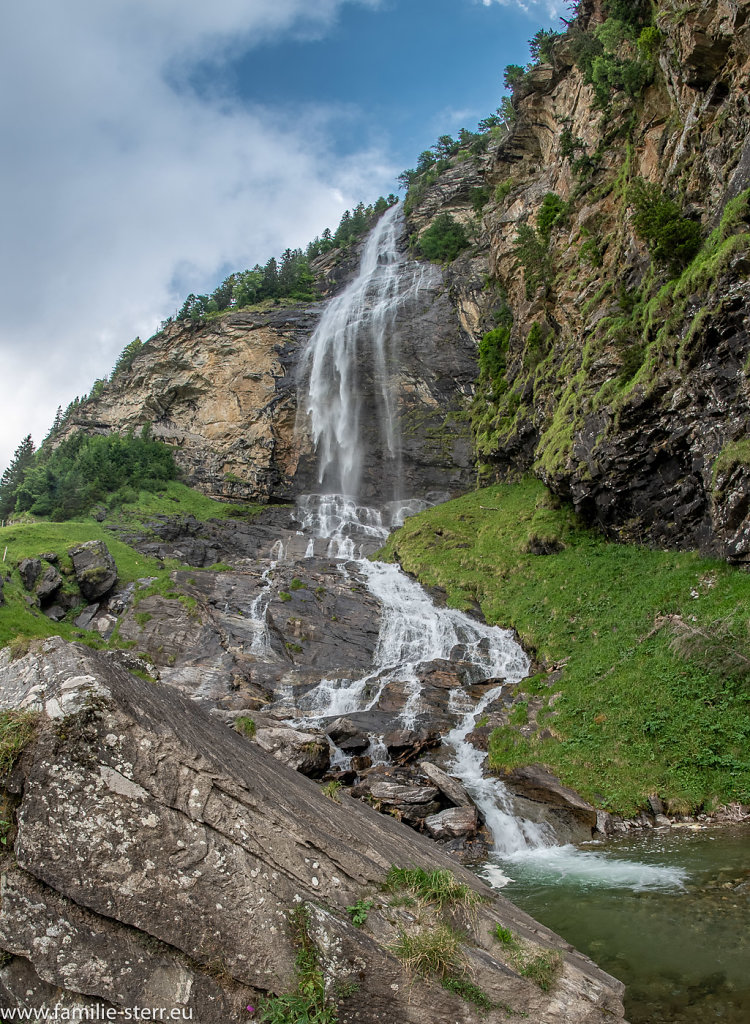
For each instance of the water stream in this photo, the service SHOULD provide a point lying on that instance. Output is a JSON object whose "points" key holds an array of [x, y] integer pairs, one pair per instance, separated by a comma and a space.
{"points": [[336, 525]]}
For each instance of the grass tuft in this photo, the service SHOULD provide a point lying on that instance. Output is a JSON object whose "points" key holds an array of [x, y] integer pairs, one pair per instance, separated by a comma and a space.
{"points": [[331, 790], [542, 966], [439, 887], [17, 729], [246, 725], [433, 951]]}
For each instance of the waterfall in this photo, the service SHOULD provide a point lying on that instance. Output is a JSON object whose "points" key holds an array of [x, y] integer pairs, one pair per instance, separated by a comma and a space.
{"points": [[352, 347], [354, 341]]}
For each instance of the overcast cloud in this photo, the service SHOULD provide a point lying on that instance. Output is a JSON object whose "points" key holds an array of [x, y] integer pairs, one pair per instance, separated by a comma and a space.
{"points": [[122, 191]]}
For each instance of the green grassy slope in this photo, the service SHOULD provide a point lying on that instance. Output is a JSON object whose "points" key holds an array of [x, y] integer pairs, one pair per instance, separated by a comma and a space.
{"points": [[634, 717], [19, 619]]}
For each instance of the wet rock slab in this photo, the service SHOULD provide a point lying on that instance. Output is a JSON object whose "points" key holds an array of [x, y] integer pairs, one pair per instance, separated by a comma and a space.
{"points": [[158, 854]]}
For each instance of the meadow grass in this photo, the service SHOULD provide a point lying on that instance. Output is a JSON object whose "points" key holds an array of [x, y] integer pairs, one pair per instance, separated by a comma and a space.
{"points": [[633, 717], [31, 537]]}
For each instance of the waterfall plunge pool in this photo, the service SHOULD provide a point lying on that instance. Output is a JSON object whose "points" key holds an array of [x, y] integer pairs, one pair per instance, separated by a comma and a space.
{"points": [[664, 911]]}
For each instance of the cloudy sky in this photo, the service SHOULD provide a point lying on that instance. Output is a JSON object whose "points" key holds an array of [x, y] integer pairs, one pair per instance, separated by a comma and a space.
{"points": [[150, 147]]}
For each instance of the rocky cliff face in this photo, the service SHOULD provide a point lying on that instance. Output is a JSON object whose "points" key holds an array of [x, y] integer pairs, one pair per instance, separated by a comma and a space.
{"points": [[223, 393], [155, 858], [624, 381]]}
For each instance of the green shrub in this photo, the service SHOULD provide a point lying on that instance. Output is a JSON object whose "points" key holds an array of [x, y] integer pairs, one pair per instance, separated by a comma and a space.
{"points": [[493, 353], [568, 143], [83, 470], [591, 253], [503, 190], [650, 41], [542, 45], [672, 239], [297, 584], [505, 935], [358, 912], [330, 789], [537, 346], [551, 214], [513, 75], [532, 256], [632, 12], [284, 595], [479, 199], [443, 240]]}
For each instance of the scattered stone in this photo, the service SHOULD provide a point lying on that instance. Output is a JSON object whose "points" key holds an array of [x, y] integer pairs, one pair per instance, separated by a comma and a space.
{"points": [[604, 823], [452, 823], [347, 736], [2, 597], [656, 804], [480, 737], [119, 603], [104, 625], [95, 569], [28, 570], [404, 744], [451, 788], [441, 674], [410, 801], [50, 556], [48, 585], [55, 612], [361, 763], [84, 620], [305, 752], [537, 783]]}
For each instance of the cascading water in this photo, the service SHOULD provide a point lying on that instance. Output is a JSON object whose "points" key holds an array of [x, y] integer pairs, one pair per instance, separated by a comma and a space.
{"points": [[353, 333], [355, 336]]}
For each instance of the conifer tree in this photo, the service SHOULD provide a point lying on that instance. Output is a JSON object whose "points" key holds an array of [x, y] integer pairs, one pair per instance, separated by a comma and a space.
{"points": [[13, 476]]}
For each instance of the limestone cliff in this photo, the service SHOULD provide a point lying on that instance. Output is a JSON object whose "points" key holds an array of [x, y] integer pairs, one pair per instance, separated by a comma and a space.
{"points": [[623, 381], [223, 393]]}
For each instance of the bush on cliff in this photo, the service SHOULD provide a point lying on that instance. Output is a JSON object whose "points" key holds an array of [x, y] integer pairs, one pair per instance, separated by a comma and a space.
{"points": [[672, 239], [444, 239]]}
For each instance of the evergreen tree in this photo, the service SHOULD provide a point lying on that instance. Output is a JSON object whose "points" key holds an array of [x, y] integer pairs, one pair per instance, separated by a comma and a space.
{"points": [[12, 478], [271, 279], [126, 357]]}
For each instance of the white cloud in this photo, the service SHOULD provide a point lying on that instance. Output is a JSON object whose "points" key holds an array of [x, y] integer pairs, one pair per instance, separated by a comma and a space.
{"points": [[553, 8], [121, 192]]}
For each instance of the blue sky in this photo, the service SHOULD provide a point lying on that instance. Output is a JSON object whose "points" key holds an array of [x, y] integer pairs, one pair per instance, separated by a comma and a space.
{"points": [[401, 73], [150, 146]]}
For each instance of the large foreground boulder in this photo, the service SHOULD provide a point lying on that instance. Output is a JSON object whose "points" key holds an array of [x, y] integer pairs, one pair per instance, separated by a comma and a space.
{"points": [[156, 858]]}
